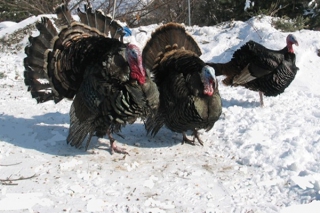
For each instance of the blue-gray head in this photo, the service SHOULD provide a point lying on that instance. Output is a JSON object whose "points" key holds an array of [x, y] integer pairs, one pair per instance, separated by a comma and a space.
{"points": [[291, 39], [209, 80]]}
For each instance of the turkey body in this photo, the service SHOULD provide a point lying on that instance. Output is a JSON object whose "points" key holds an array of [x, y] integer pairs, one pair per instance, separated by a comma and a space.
{"points": [[189, 96], [258, 68], [103, 76]]}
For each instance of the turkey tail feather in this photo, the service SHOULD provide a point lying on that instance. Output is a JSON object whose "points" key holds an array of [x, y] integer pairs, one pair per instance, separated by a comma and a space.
{"points": [[36, 63], [154, 123], [64, 15], [79, 129], [53, 66], [103, 23], [244, 77], [165, 38], [227, 69]]}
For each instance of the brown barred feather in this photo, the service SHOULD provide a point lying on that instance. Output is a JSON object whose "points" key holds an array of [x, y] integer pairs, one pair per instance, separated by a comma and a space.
{"points": [[103, 23], [86, 62], [259, 69], [173, 56], [174, 36]]}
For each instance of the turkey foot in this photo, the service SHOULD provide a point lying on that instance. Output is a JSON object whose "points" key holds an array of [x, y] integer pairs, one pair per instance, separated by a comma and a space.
{"points": [[115, 149], [187, 140], [197, 136], [113, 146]]}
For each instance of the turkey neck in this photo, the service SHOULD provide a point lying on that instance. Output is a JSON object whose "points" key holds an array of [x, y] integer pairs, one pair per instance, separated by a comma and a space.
{"points": [[290, 48]]}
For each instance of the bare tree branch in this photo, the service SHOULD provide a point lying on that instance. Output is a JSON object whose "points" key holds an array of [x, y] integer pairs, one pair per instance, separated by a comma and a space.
{"points": [[13, 164], [9, 179]]}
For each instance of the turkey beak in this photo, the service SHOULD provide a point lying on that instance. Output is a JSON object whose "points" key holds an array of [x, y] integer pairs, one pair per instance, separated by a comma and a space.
{"points": [[296, 43]]}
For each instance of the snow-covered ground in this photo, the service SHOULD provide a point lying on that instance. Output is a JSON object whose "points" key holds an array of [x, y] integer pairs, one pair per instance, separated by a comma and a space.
{"points": [[6, 24], [253, 160]]}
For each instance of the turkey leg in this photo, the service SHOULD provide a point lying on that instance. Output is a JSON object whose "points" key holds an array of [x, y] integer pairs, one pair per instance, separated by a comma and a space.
{"points": [[261, 98], [187, 140], [197, 136], [192, 142], [114, 147]]}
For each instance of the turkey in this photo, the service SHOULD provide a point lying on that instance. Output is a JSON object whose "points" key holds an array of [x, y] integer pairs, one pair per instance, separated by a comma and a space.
{"points": [[103, 76], [260, 69], [189, 96]]}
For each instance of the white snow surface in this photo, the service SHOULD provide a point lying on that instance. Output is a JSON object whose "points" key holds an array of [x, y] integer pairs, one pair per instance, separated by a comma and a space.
{"points": [[6, 24], [253, 160]]}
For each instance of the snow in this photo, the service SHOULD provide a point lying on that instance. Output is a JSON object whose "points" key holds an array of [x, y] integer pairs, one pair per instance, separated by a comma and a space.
{"points": [[12, 26], [253, 160], [247, 5], [6, 24]]}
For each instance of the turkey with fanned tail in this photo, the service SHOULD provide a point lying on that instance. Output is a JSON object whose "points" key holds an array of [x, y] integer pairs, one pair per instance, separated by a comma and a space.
{"points": [[189, 96], [260, 69], [103, 76]]}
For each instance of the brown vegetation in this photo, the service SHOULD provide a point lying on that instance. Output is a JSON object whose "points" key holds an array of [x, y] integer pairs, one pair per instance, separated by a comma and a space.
{"points": [[203, 12]]}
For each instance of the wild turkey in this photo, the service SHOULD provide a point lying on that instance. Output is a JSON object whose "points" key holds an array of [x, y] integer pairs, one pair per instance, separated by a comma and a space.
{"points": [[260, 69], [105, 77], [189, 96]]}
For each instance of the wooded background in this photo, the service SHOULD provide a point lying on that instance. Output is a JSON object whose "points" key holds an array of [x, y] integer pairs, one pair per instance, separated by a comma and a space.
{"points": [[294, 14]]}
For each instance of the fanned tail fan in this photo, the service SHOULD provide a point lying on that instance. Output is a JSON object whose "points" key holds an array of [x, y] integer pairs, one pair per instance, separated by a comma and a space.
{"points": [[49, 72], [104, 23], [39, 53], [165, 38]]}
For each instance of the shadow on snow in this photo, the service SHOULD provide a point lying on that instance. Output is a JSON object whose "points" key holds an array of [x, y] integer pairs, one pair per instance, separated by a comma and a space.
{"points": [[47, 133]]}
